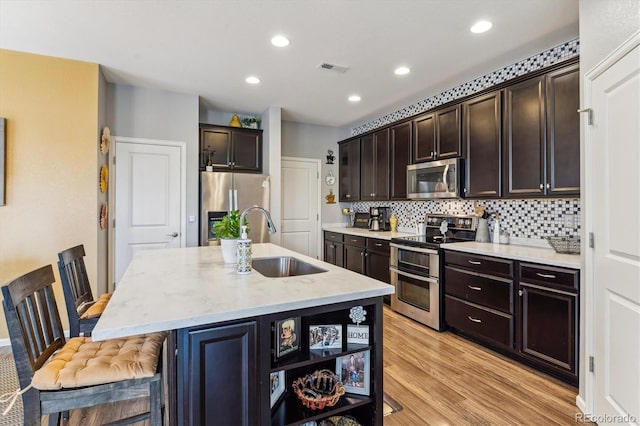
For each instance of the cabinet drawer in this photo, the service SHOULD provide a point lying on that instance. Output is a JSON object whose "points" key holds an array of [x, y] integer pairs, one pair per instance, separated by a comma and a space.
{"points": [[355, 241], [567, 279], [336, 237], [378, 245], [476, 263], [482, 323], [494, 293]]}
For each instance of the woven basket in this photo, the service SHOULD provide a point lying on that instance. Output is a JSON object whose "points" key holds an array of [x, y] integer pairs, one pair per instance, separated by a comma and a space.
{"points": [[565, 245], [319, 389]]}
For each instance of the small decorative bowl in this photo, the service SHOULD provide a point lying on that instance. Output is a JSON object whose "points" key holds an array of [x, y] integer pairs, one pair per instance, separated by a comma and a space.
{"points": [[319, 389]]}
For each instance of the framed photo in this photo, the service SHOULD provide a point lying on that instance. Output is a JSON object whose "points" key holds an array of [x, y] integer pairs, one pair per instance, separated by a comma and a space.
{"points": [[354, 371], [325, 336], [277, 386], [358, 334], [286, 339]]}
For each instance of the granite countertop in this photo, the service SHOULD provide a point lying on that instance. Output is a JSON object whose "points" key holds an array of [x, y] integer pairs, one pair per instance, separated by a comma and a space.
{"points": [[364, 232], [169, 289], [546, 256]]}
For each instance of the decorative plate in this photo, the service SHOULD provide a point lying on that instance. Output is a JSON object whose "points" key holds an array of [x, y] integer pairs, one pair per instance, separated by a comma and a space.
{"points": [[330, 179], [104, 178], [104, 215], [105, 143]]}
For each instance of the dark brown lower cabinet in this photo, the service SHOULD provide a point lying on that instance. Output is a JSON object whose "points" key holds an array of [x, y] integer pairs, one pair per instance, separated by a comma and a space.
{"points": [[218, 375], [334, 253], [540, 328], [354, 250], [547, 322]]}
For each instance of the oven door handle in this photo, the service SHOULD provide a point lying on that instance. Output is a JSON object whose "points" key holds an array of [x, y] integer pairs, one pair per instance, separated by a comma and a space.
{"points": [[414, 276], [411, 248]]}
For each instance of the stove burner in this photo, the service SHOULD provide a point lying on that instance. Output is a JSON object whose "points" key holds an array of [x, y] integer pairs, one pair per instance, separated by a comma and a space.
{"points": [[459, 229]]}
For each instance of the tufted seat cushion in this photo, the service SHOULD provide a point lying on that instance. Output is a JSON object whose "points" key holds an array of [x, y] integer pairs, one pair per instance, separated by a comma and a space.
{"points": [[95, 310], [83, 362]]}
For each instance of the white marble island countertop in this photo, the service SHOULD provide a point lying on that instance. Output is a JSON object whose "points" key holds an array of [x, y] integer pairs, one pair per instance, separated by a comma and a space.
{"points": [[169, 289], [544, 256]]}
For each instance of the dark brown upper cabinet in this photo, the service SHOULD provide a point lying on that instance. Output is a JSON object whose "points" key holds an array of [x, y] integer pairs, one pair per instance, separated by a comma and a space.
{"points": [[437, 135], [401, 139], [349, 170], [563, 131], [524, 138], [482, 139], [542, 135], [230, 148], [374, 166]]}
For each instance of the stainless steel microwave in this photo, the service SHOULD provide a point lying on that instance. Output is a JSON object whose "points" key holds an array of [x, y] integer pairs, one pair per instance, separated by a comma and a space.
{"points": [[434, 179]]}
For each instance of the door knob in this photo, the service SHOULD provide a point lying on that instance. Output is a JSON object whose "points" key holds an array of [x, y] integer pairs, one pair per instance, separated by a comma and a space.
{"points": [[175, 234]]}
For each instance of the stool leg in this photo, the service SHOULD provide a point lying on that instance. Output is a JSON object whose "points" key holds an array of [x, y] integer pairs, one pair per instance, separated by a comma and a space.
{"points": [[155, 402]]}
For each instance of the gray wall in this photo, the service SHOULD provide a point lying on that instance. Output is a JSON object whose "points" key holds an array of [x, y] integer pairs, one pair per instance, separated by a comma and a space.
{"points": [[604, 25], [312, 141], [155, 114]]}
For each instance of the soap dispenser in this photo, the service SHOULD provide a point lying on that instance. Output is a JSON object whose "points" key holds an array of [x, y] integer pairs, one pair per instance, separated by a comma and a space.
{"points": [[496, 230], [244, 252]]}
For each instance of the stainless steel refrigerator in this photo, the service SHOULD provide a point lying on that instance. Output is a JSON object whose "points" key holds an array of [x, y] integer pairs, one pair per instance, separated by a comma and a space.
{"points": [[221, 192]]}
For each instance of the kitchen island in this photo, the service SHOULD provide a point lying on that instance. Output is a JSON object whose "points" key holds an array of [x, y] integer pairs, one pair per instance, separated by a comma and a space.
{"points": [[224, 333]]}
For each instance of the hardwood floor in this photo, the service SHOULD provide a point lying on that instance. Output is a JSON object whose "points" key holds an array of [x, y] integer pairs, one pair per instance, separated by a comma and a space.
{"points": [[440, 379]]}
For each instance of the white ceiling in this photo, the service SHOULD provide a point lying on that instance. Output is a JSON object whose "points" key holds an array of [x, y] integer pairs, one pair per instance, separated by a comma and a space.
{"points": [[208, 47]]}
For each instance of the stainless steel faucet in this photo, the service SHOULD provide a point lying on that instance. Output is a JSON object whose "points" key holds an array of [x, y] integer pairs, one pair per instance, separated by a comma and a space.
{"points": [[270, 226]]}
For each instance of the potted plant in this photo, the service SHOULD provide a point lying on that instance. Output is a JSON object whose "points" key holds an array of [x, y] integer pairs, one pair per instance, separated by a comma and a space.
{"points": [[228, 231], [251, 122]]}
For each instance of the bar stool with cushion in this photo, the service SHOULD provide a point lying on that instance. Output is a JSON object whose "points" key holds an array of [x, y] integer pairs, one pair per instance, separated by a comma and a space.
{"points": [[82, 309], [58, 375]]}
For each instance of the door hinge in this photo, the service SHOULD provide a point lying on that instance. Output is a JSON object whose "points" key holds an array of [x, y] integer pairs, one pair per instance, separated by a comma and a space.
{"points": [[317, 175], [114, 160], [591, 240], [317, 217], [589, 111], [176, 353], [591, 364], [114, 223]]}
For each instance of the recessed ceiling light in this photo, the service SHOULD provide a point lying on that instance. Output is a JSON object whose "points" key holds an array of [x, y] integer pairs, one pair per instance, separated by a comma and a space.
{"points": [[252, 79], [481, 26], [402, 71], [280, 41], [354, 98]]}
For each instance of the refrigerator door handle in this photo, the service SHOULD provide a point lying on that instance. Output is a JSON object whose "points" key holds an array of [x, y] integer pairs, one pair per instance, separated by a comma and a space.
{"points": [[231, 200], [235, 199]]}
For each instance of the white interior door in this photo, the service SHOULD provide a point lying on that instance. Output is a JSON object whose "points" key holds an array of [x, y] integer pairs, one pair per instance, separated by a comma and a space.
{"points": [[612, 143], [149, 188], [301, 205]]}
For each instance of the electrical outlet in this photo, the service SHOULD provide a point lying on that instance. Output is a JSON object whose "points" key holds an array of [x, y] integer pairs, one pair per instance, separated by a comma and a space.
{"points": [[569, 221]]}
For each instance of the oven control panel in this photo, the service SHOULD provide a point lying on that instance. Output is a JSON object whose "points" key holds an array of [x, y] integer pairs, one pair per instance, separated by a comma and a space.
{"points": [[460, 222]]}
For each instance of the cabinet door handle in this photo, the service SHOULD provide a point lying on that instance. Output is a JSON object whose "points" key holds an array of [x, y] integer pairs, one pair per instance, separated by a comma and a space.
{"points": [[475, 288], [332, 246], [377, 244], [548, 185], [474, 319], [354, 241], [361, 253], [474, 262], [520, 293], [348, 195], [545, 275], [541, 186]]}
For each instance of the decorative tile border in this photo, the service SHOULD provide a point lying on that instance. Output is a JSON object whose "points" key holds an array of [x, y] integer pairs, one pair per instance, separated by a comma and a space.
{"points": [[533, 63], [532, 219]]}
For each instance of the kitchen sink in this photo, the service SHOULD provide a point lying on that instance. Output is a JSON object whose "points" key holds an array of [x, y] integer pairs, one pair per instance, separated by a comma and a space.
{"points": [[284, 266]]}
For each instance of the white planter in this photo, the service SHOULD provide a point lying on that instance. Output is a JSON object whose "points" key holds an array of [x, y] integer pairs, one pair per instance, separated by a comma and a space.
{"points": [[229, 249]]}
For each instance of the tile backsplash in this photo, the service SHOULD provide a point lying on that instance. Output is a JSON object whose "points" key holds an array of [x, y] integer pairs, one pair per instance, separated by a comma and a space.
{"points": [[530, 218]]}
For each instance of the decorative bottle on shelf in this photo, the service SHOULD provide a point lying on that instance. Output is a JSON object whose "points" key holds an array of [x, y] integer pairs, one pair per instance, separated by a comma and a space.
{"points": [[393, 223], [244, 252]]}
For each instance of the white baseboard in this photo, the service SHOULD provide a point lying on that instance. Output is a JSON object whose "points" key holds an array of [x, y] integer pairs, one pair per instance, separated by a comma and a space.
{"points": [[581, 403]]}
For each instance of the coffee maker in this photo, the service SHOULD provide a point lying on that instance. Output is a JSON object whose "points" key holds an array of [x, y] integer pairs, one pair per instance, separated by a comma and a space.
{"points": [[379, 218]]}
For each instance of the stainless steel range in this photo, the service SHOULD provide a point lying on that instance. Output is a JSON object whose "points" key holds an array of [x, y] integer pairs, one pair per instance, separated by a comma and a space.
{"points": [[415, 266]]}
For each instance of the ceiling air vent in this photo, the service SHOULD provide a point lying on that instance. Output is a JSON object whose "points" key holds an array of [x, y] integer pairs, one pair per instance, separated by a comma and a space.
{"points": [[333, 67]]}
